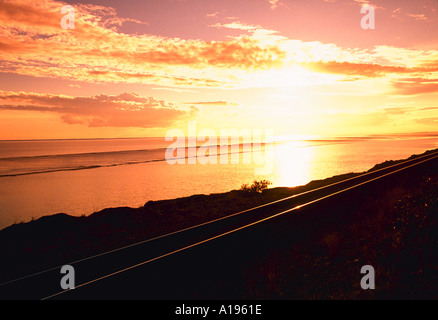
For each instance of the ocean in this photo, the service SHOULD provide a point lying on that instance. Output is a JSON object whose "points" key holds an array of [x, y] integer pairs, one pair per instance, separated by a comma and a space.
{"points": [[79, 177]]}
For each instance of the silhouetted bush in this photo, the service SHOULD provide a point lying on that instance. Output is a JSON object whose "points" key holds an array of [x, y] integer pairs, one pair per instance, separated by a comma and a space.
{"points": [[257, 186]]}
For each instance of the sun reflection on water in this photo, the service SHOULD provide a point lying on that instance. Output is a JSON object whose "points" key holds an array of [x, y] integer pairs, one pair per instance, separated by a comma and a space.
{"points": [[293, 164]]}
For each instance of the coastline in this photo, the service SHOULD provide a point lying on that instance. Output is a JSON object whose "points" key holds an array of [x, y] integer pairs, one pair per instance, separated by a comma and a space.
{"points": [[79, 192], [53, 240]]}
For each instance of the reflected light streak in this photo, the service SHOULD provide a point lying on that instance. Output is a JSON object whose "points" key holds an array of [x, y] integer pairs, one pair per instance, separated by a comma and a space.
{"points": [[293, 164]]}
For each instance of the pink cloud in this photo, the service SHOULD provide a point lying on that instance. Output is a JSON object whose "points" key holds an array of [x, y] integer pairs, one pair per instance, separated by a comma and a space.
{"points": [[124, 110], [34, 44], [370, 70]]}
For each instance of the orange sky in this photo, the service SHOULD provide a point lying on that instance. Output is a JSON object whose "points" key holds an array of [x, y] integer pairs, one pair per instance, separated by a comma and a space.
{"points": [[140, 68]]}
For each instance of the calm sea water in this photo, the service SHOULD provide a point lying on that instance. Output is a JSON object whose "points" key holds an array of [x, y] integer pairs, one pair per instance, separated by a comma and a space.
{"points": [[78, 177]]}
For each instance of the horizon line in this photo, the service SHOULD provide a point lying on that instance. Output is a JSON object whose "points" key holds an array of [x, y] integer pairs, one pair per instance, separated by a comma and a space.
{"points": [[314, 137]]}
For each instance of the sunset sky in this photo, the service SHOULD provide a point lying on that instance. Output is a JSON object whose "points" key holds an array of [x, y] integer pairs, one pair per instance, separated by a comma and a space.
{"points": [[139, 68]]}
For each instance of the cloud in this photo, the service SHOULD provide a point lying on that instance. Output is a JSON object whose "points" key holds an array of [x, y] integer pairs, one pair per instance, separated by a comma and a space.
{"points": [[417, 16], [354, 69], [432, 121], [429, 108], [237, 25], [214, 103], [401, 15], [173, 89], [415, 86], [363, 3], [32, 43], [128, 77], [357, 71], [398, 110], [212, 15], [275, 4], [123, 110]]}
